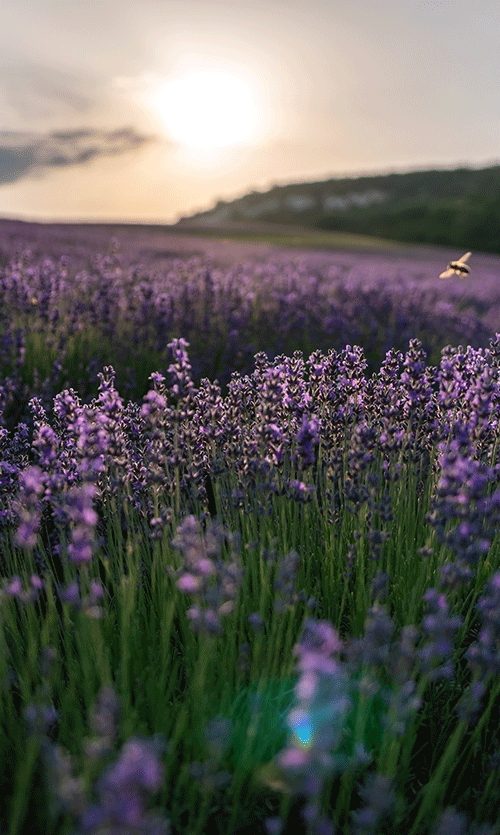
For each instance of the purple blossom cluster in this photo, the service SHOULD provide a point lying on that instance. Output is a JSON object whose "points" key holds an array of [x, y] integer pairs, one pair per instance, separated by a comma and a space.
{"points": [[305, 429], [120, 797], [123, 791], [122, 302], [206, 576]]}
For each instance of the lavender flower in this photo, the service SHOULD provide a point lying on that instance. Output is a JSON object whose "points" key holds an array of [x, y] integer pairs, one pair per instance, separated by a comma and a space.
{"points": [[206, 576], [123, 790], [29, 506], [379, 797], [284, 582], [14, 588], [483, 655], [71, 594], [308, 439], [462, 498], [67, 790], [79, 510], [182, 385], [40, 719], [317, 722], [440, 628], [46, 442]]}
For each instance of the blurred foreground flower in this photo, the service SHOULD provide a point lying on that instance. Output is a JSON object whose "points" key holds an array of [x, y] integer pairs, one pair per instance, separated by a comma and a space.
{"points": [[206, 575]]}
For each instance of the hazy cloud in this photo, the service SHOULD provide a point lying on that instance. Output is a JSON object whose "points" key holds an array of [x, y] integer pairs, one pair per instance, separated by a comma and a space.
{"points": [[23, 153], [30, 92]]}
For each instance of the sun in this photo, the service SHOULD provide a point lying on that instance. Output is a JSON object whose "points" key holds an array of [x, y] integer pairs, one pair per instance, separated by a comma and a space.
{"points": [[208, 109]]}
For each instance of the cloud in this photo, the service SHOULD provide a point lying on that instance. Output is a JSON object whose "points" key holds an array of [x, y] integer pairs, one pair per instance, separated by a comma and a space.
{"points": [[30, 92], [26, 153]]}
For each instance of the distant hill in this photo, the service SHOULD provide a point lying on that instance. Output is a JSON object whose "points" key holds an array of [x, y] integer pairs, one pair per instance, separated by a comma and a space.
{"points": [[450, 207]]}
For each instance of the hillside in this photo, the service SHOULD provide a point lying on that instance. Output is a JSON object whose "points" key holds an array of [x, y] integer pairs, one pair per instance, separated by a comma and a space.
{"points": [[450, 207]]}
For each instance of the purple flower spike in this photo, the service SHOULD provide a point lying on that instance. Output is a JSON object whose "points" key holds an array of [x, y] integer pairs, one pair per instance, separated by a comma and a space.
{"points": [[138, 764], [123, 789], [79, 510], [14, 588], [80, 547], [436, 656], [308, 439], [40, 718], [71, 594], [378, 797], [483, 655], [206, 575], [32, 483], [105, 713], [189, 583]]}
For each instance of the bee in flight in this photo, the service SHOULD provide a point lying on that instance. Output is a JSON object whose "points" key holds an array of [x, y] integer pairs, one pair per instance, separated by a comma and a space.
{"points": [[458, 267]]}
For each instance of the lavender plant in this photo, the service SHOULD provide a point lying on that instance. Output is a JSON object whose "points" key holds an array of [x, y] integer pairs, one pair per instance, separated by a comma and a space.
{"points": [[268, 604]]}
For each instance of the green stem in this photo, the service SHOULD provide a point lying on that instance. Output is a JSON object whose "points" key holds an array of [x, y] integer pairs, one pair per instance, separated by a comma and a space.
{"points": [[434, 791], [22, 788]]}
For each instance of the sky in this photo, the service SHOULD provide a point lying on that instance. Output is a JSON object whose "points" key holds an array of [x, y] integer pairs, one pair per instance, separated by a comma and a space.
{"points": [[149, 110]]}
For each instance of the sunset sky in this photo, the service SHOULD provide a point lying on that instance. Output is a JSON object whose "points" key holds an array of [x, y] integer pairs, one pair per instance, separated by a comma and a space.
{"points": [[147, 110]]}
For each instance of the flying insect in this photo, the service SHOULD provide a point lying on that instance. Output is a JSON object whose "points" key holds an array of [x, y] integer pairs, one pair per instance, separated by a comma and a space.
{"points": [[458, 267]]}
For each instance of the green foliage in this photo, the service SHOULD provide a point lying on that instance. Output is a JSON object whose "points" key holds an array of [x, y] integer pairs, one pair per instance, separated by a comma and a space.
{"points": [[449, 207]]}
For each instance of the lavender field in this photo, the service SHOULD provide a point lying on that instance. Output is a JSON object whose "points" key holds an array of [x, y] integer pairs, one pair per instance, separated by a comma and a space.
{"points": [[250, 558]]}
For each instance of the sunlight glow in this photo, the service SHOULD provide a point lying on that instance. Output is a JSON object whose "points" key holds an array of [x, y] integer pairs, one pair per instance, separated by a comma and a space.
{"points": [[209, 109]]}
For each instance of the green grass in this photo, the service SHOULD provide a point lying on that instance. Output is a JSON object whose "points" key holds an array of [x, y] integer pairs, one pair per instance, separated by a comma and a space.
{"points": [[301, 238]]}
